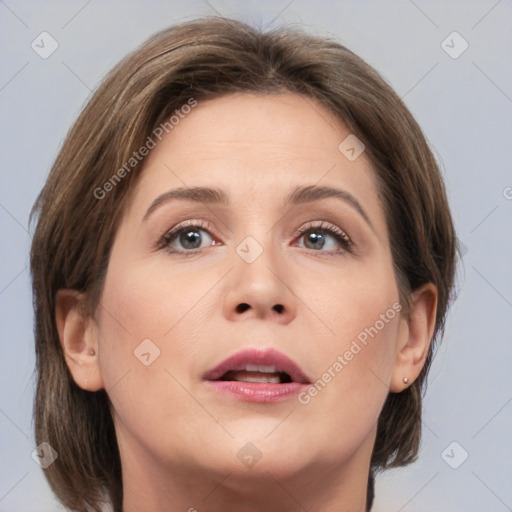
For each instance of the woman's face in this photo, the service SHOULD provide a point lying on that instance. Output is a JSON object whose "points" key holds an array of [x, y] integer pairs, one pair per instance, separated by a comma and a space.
{"points": [[287, 267]]}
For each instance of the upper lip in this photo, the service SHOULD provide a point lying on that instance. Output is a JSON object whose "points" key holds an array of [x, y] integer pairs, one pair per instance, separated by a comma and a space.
{"points": [[254, 357]]}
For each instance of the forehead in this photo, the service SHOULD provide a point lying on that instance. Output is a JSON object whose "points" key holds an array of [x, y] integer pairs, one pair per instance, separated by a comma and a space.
{"points": [[258, 146], [248, 125]]}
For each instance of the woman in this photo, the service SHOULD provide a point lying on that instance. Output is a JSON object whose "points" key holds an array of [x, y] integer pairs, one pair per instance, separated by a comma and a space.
{"points": [[243, 257]]}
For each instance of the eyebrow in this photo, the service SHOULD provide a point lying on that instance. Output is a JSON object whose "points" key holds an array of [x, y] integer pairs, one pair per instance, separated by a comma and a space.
{"points": [[299, 195], [196, 194], [310, 193]]}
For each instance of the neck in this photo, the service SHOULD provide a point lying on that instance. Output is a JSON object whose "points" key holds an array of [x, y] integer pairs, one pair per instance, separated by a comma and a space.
{"points": [[326, 487]]}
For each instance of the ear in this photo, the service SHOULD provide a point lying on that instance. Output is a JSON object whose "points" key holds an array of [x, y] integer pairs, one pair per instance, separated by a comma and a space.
{"points": [[79, 340], [414, 337]]}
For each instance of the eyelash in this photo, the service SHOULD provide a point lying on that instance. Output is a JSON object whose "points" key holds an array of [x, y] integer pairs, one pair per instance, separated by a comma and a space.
{"points": [[325, 228], [169, 236], [320, 227]]}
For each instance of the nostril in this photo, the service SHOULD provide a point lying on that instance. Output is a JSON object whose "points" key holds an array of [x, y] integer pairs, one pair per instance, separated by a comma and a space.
{"points": [[242, 307]]}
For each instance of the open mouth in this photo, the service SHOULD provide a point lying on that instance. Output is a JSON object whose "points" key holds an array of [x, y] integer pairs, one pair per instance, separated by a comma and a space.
{"points": [[257, 376], [258, 373], [258, 366]]}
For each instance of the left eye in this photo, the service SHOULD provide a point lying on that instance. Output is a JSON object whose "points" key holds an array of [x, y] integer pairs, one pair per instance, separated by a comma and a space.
{"points": [[187, 238], [325, 239]]}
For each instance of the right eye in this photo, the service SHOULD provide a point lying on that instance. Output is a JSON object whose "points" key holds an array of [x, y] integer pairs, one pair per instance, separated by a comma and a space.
{"points": [[188, 238]]}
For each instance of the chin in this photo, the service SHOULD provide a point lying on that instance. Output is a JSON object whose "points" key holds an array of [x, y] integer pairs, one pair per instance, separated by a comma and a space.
{"points": [[282, 456]]}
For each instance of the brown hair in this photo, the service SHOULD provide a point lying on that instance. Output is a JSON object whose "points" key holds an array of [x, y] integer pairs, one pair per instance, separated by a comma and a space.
{"points": [[205, 59]]}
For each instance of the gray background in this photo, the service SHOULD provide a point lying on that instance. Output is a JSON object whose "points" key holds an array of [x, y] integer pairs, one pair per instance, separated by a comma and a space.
{"points": [[464, 105]]}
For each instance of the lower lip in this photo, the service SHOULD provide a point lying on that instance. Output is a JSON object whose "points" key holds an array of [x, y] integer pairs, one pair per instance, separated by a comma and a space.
{"points": [[256, 391]]}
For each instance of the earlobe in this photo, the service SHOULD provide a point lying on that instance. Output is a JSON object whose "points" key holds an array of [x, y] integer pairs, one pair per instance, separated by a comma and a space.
{"points": [[415, 335], [78, 339]]}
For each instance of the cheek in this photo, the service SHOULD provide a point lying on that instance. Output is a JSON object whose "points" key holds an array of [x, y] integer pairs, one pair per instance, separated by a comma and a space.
{"points": [[140, 315], [355, 305], [355, 359], [149, 321], [152, 301], [345, 400]]}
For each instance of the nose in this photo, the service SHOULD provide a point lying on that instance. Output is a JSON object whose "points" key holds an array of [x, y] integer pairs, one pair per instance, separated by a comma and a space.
{"points": [[260, 289]]}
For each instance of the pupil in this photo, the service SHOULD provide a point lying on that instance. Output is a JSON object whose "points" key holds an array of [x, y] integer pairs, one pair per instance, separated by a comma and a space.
{"points": [[315, 238], [190, 239]]}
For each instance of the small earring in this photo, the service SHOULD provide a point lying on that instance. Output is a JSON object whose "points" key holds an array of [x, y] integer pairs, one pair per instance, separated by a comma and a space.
{"points": [[92, 352], [406, 380]]}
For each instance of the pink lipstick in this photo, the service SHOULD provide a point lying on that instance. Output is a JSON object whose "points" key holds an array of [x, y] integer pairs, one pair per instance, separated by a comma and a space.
{"points": [[255, 375]]}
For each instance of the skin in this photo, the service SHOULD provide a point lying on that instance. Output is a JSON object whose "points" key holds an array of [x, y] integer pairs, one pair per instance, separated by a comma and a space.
{"points": [[179, 439]]}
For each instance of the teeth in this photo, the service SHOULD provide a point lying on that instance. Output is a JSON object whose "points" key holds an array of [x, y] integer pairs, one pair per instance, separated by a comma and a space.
{"points": [[275, 379], [261, 368], [259, 374]]}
